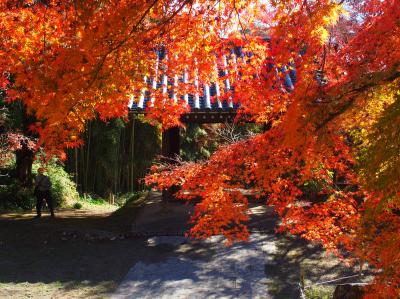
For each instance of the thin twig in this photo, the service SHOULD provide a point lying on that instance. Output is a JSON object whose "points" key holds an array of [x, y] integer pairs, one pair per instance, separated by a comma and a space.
{"points": [[240, 21], [333, 280]]}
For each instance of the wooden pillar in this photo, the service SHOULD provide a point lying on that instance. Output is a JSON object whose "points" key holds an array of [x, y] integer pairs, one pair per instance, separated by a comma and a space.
{"points": [[171, 146]]}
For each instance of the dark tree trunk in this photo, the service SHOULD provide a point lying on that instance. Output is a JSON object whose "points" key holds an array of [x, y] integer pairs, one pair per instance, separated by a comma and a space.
{"points": [[349, 291], [25, 155], [24, 161]]}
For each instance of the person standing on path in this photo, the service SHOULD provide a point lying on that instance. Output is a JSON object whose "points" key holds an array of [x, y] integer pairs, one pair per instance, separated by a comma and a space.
{"points": [[42, 192]]}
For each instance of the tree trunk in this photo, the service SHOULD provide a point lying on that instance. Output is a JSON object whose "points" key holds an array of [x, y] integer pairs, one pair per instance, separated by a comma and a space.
{"points": [[131, 182], [85, 180], [25, 155], [24, 161]]}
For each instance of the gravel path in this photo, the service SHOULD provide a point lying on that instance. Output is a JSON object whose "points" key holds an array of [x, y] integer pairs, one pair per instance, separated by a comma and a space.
{"points": [[268, 266], [227, 272]]}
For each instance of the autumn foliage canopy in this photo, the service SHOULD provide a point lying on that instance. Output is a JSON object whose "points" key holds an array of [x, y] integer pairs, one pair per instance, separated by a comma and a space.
{"points": [[336, 131]]}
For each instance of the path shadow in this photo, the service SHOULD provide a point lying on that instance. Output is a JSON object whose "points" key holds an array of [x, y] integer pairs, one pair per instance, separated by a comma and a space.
{"points": [[200, 270], [293, 253], [78, 249], [160, 217], [70, 251]]}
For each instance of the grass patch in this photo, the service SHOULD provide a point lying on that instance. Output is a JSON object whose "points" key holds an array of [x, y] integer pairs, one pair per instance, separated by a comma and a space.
{"points": [[319, 292], [125, 215], [92, 203]]}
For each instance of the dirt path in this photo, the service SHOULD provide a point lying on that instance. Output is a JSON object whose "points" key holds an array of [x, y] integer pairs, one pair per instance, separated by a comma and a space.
{"points": [[86, 254], [225, 272], [79, 254], [281, 259]]}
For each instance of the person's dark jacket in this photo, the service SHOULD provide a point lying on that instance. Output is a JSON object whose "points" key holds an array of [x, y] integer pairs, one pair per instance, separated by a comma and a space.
{"points": [[42, 183]]}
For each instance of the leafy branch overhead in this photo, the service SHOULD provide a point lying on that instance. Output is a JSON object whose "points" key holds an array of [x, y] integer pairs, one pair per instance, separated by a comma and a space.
{"points": [[328, 162]]}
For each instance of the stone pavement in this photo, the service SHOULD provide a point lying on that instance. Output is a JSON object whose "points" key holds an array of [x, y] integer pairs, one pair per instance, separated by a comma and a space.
{"points": [[162, 218], [268, 266], [157, 217], [225, 272], [198, 269]]}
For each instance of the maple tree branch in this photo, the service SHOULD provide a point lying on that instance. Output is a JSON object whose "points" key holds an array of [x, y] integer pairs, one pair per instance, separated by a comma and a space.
{"points": [[228, 133], [133, 30], [189, 14], [305, 4], [323, 62], [111, 50], [165, 22], [240, 21], [351, 89], [44, 34]]}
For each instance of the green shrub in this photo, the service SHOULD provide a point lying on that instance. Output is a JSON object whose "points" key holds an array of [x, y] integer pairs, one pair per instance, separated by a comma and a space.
{"points": [[125, 198], [13, 196], [97, 201], [77, 205], [92, 199], [16, 197]]}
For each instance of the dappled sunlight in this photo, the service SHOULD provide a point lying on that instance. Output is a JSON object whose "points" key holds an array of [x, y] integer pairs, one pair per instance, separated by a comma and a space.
{"points": [[60, 213], [227, 271]]}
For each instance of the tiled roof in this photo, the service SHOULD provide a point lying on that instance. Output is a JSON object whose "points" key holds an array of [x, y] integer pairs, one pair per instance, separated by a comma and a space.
{"points": [[202, 101]]}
